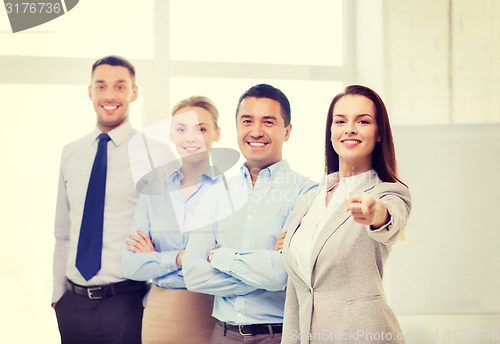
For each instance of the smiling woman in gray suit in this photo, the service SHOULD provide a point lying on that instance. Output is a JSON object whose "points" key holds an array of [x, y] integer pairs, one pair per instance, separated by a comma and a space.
{"points": [[341, 235]]}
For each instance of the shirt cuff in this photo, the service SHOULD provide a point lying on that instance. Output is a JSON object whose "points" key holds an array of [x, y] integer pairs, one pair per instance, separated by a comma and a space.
{"points": [[168, 260], [386, 227], [58, 293], [222, 258]]}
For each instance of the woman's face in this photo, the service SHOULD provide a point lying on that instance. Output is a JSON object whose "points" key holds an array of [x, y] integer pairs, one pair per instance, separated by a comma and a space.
{"points": [[354, 132], [193, 131]]}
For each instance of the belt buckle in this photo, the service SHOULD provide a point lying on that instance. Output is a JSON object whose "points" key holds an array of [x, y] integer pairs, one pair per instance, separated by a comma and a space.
{"points": [[243, 334], [91, 290]]}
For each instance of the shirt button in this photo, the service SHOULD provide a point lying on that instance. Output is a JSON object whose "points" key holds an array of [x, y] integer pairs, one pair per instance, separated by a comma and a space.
{"points": [[249, 217], [246, 242], [168, 270], [240, 315]]}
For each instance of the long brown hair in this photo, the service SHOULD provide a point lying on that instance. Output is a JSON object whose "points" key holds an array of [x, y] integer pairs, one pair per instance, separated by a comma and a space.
{"points": [[383, 156]]}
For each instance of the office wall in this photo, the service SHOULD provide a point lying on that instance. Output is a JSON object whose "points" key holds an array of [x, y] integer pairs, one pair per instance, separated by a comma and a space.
{"points": [[442, 77], [443, 60], [444, 277]]}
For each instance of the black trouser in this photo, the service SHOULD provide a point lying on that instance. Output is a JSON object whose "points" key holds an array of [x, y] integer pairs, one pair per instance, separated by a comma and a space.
{"points": [[115, 319]]}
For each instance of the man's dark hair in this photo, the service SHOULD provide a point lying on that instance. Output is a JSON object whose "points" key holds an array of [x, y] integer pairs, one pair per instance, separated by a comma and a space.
{"points": [[114, 60], [268, 91]]}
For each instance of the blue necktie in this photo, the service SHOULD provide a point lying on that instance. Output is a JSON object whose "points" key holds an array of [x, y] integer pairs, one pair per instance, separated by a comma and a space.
{"points": [[88, 257]]}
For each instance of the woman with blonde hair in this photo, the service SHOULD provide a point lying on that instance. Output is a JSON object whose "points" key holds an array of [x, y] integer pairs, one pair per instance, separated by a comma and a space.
{"points": [[341, 235], [161, 226]]}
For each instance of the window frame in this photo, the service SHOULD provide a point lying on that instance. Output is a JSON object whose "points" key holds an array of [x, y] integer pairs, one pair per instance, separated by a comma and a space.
{"points": [[153, 75]]}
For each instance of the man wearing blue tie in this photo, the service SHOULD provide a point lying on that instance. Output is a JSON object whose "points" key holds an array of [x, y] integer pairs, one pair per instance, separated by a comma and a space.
{"points": [[94, 303]]}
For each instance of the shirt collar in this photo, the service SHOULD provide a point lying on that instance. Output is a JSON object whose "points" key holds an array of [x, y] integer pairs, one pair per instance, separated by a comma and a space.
{"points": [[118, 134], [270, 171], [210, 174], [351, 182]]}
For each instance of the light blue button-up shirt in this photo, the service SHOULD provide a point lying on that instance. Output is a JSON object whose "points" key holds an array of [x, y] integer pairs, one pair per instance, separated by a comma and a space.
{"points": [[246, 276], [167, 219]]}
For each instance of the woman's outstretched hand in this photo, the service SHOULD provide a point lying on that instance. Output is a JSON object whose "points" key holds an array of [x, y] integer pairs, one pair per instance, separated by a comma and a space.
{"points": [[367, 210]]}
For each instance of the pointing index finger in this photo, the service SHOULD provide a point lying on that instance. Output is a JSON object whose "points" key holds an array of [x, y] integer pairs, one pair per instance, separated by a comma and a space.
{"points": [[356, 198]]}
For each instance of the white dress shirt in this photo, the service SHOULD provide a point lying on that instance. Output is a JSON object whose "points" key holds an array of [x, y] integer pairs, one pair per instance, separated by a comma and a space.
{"points": [[317, 216], [121, 197]]}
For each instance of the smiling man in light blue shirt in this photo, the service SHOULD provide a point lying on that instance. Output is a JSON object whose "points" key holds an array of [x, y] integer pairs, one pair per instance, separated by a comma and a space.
{"points": [[238, 258]]}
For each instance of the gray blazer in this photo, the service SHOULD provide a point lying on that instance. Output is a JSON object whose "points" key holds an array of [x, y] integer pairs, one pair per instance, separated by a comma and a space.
{"points": [[343, 301]]}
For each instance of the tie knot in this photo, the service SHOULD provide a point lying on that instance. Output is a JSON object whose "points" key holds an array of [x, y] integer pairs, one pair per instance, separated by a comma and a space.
{"points": [[104, 137]]}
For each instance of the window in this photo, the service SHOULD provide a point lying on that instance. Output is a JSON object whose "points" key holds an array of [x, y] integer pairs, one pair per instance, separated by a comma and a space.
{"points": [[278, 32], [91, 29], [224, 47]]}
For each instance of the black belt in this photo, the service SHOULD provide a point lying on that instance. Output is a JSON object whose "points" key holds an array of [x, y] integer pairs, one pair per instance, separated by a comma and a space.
{"points": [[98, 292], [251, 330]]}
